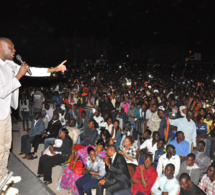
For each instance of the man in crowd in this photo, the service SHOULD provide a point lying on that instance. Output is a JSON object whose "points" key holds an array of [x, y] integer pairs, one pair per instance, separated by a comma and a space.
{"points": [[97, 116], [191, 168], [143, 179], [154, 121], [73, 130], [38, 100], [187, 126], [51, 132], [207, 183], [90, 134], [166, 183], [82, 121], [150, 144], [10, 74], [202, 159], [165, 129], [49, 111], [37, 127], [159, 152], [118, 176], [188, 187], [182, 147], [169, 157], [106, 106]]}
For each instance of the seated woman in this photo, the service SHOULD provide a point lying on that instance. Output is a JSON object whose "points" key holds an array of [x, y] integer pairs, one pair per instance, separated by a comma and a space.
{"points": [[93, 172], [46, 162], [109, 125], [130, 152], [117, 136], [106, 137], [69, 177]]}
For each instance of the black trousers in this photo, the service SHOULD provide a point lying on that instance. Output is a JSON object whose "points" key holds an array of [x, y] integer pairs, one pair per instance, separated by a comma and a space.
{"points": [[46, 163], [111, 186], [38, 139]]}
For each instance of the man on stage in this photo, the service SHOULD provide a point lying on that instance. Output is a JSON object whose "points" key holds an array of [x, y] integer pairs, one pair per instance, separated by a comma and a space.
{"points": [[10, 74]]}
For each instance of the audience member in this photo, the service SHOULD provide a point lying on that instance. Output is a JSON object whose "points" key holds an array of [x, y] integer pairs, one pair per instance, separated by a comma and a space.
{"points": [[24, 110], [117, 136], [202, 159], [90, 134], [73, 130], [187, 126], [93, 172], [37, 126], [191, 168], [150, 144], [47, 162], [118, 176], [159, 152], [143, 179], [165, 129], [44, 118], [154, 121], [129, 152], [166, 183], [169, 157], [182, 147], [52, 131], [49, 110], [71, 174], [188, 187], [207, 183]]}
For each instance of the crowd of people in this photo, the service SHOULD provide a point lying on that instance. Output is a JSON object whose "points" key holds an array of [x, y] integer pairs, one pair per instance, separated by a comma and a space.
{"points": [[126, 135]]}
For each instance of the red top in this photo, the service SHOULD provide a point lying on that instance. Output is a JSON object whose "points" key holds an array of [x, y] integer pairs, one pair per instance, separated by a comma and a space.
{"points": [[152, 173]]}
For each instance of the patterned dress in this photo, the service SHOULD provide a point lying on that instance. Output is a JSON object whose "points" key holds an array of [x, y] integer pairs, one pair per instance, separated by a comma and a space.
{"points": [[69, 177]]}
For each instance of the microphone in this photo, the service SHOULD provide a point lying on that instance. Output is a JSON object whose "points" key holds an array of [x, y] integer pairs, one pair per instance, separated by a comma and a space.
{"points": [[19, 58]]}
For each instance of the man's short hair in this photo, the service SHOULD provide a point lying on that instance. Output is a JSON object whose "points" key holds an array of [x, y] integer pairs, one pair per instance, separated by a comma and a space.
{"points": [[149, 156], [192, 156], [202, 142], [113, 147], [162, 139], [155, 132], [185, 176], [148, 131], [178, 133], [170, 146], [172, 166], [94, 122], [83, 112]]}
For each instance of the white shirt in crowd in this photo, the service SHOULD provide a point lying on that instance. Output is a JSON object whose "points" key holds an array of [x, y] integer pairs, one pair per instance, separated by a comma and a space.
{"points": [[163, 184], [148, 144], [109, 128], [148, 114], [163, 161], [98, 119]]}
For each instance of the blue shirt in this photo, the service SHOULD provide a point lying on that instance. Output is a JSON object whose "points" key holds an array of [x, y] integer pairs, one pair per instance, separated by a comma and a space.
{"points": [[187, 127], [202, 129], [92, 134], [158, 153], [182, 148]]}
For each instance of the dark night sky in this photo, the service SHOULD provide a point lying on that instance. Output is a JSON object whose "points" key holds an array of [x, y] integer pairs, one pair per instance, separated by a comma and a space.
{"points": [[47, 32]]}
